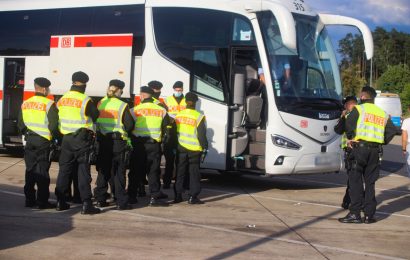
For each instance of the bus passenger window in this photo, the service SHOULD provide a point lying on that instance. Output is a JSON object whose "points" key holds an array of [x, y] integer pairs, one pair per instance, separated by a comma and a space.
{"points": [[207, 75]]}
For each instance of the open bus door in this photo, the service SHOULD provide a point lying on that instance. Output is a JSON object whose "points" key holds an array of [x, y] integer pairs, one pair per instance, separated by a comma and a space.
{"points": [[12, 98]]}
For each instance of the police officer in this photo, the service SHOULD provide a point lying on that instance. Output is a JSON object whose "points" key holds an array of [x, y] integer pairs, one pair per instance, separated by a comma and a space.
{"points": [[113, 125], [192, 148], [367, 128], [156, 87], [349, 102], [175, 104], [151, 122], [38, 121], [77, 115]]}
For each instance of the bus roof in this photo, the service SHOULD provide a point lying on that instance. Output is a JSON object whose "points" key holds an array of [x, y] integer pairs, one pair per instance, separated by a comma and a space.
{"points": [[240, 6]]}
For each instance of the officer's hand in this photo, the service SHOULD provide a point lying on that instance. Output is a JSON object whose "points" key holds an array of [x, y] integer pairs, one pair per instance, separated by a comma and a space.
{"points": [[351, 142], [203, 155], [344, 113]]}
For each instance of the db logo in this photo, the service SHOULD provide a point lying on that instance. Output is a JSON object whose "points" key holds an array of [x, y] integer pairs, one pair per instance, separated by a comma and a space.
{"points": [[66, 42], [304, 123]]}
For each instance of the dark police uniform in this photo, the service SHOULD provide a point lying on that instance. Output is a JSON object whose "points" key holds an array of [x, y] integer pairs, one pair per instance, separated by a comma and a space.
{"points": [[77, 115], [340, 129], [113, 125], [38, 121], [175, 104], [150, 125], [192, 144], [371, 127]]}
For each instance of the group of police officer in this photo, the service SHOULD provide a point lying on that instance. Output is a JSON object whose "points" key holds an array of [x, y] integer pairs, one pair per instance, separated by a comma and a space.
{"points": [[364, 127], [115, 137]]}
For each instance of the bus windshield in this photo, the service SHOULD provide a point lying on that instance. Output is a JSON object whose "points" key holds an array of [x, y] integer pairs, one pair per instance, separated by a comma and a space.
{"points": [[308, 75]]}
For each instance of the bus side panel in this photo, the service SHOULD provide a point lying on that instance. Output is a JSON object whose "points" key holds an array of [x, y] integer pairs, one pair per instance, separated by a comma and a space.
{"points": [[156, 67], [1, 98], [37, 66]]}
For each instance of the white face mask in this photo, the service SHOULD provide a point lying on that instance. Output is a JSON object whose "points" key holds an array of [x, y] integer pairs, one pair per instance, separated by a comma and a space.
{"points": [[177, 94]]}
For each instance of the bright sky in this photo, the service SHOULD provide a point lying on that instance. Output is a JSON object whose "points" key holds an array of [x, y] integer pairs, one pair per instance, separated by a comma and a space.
{"points": [[385, 13]]}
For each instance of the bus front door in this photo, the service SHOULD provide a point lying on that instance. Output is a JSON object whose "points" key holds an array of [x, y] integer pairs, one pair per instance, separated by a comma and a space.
{"points": [[12, 98]]}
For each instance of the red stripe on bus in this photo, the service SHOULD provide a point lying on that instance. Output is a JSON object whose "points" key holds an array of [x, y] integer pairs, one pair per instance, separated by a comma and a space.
{"points": [[103, 41], [1, 94], [137, 100], [54, 42]]}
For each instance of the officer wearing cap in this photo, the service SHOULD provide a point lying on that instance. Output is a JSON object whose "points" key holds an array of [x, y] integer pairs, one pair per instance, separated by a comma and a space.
{"points": [[113, 127], [175, 103], [156, 87], [77, 114], [349, 102], [192, 148], [368, 127], [38, 122], [151, 122]]}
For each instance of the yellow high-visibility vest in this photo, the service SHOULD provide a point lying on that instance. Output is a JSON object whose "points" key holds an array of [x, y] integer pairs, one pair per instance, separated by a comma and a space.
{"points": [[173, 107], [71, 110], [343, 142], [110, 118], [371, 123], [148, 120], [187, 122], [35, 110]]}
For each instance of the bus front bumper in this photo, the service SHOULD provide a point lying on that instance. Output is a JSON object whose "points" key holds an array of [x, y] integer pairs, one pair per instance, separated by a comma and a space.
{"points": [[307, 164]]}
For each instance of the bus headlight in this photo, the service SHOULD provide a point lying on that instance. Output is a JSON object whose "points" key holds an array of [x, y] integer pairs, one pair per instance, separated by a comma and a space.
{"points": [[285, 143]]}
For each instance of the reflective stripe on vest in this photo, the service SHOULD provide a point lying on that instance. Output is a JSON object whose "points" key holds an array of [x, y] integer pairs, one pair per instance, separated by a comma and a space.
{"points": [[371, 123], [35, 110], [187, 129], [173, 107], [71, 110], [110, 118], [343, 143], [148, 120]]}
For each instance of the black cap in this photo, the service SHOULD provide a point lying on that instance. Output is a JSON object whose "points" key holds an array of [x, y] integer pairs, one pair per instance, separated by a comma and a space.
{"points": [[117, 83], [349, 98], [155, 84], [370, 91], [42, 82], [80, 76], [148, 90], [178, 84], [190, 96]]}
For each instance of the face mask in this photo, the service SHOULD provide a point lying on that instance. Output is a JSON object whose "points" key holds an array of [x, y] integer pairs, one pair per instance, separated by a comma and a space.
{"points": [[177, 94], [156, 95]]}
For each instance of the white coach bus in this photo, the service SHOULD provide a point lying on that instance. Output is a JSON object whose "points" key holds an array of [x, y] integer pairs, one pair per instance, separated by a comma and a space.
{"points": [[220, 49]]}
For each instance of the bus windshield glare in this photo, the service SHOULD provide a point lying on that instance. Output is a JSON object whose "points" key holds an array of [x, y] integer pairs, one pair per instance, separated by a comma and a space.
{"points": [[307, 75]]}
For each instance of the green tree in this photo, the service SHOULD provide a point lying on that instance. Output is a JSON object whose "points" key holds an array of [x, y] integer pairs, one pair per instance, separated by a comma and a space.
{"points": [[405, 98], [352, 81], [394, 79]]}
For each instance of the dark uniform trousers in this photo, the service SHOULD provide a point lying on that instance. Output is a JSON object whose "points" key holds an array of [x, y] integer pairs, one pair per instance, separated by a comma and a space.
{"points": [[169, 154], [365, 167], [37, 167], [348, 166], [75, 152], [146, 160], [188, 164], [112, 164]]}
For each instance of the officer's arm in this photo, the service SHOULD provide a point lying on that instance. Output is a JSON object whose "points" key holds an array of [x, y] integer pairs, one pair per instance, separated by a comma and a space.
{"points": [[128, 121], [389, 132], [20, 123], [92, 111], [351, 123], [53, 122], [202, 134], [340, 126]]}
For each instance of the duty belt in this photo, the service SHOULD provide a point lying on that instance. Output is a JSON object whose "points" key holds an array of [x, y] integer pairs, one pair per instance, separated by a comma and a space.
{"points": [[366, 144]]}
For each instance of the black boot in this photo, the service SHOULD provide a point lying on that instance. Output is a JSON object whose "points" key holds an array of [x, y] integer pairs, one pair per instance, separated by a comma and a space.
{"points": [[62, 205], [89, 209], [369, 219], [132, 200], [178, 198], [154, 202], [124, 207], [351, 218], [46, 205], [194, 200], [102, 204], [345, 205], [29, 203]]}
